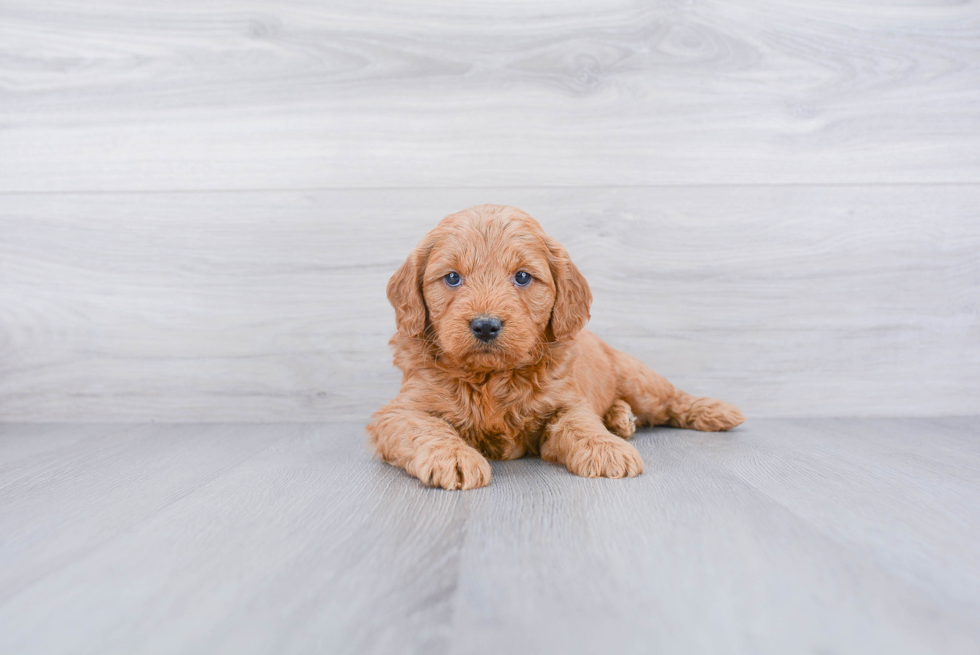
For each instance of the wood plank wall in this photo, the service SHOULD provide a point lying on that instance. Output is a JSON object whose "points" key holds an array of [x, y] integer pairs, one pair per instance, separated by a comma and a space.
{"points": [[777, 203]]}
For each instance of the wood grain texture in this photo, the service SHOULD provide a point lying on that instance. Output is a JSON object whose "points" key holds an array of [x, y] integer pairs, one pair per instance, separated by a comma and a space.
{"points": [[270, 306], [295, 94], [845, 536]]}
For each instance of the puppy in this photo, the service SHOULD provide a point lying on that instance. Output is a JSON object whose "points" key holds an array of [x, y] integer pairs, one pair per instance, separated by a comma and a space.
{"points": [[495, 362]]}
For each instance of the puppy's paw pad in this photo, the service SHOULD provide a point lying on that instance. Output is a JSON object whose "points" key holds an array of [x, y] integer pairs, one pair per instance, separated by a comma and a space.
{"points": [[452, 467], [620, 419], [710, 415], [604, 456]]}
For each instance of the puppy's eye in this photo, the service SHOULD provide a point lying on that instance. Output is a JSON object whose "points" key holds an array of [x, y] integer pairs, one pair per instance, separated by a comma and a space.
{"points": [[522, 278], [453, 279]]}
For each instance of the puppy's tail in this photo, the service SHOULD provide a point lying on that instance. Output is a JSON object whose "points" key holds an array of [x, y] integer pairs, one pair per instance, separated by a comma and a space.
{"points": [[655, 401]]}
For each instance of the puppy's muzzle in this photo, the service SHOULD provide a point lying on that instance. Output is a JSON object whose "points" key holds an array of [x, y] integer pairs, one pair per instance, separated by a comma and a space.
{"points": [[485, 328]]}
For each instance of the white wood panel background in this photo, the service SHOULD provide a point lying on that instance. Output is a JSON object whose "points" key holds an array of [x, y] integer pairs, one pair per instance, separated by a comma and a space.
{"points": [[200, 203], [270, 305], [245, 94]]}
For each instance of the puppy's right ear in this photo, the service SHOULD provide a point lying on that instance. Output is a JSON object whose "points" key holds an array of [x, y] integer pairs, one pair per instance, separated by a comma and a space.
{"points": [[405, 294]]}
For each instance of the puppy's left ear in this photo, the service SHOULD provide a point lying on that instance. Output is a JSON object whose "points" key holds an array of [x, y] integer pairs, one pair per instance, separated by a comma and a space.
{"points": [[405, 294], [572, 294]]}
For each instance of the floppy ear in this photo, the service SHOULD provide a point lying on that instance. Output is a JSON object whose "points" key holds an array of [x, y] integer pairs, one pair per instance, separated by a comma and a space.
{"points": [[572, 295], [405, 294]]}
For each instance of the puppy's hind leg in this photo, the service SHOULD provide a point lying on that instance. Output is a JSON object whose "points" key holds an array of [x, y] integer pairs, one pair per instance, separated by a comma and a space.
{"points": [[655, 401], [620, 419]]}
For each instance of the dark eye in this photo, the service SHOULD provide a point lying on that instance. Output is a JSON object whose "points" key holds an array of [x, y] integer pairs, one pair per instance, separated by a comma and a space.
{"points": [[453, 279], [522, 278]]}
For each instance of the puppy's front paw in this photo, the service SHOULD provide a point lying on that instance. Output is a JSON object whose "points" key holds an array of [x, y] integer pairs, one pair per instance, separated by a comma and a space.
{"points": [[710, 415], [451, 466], [604, 456]]}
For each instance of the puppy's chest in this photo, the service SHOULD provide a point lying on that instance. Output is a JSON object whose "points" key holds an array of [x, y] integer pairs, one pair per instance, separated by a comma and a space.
{"points": [[502, 420]]}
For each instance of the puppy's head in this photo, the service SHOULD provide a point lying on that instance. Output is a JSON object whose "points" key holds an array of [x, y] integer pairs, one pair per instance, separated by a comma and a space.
{"points": [[490, 289]]}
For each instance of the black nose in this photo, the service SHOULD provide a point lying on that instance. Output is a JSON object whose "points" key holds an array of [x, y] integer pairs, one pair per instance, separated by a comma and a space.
{"points": [[485, 328]]}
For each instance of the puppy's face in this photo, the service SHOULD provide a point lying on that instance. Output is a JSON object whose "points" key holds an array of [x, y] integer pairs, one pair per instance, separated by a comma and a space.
{"points": [[490, 288], [489, 292]]}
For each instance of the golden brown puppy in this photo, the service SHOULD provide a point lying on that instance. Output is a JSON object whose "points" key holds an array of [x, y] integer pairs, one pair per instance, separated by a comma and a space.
{"points": [[495, 362]]}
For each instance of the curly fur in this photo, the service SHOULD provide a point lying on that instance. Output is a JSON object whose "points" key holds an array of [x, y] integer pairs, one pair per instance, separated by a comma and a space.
{"points": [[544, 386]]}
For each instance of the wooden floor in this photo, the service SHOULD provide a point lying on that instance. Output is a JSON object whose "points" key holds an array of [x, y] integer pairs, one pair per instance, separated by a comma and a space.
{"points": [[783, 536]]}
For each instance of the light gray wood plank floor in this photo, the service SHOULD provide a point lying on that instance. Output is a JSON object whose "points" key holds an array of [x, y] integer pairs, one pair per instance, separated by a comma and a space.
{"points": [[783, 536]]}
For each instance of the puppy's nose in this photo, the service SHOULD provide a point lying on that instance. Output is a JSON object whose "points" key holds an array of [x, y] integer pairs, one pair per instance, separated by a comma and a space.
{"points": [[485, 328]]}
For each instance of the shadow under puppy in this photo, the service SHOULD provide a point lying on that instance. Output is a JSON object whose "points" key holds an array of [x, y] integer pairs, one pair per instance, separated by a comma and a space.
{"points": [[495, 362]]}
